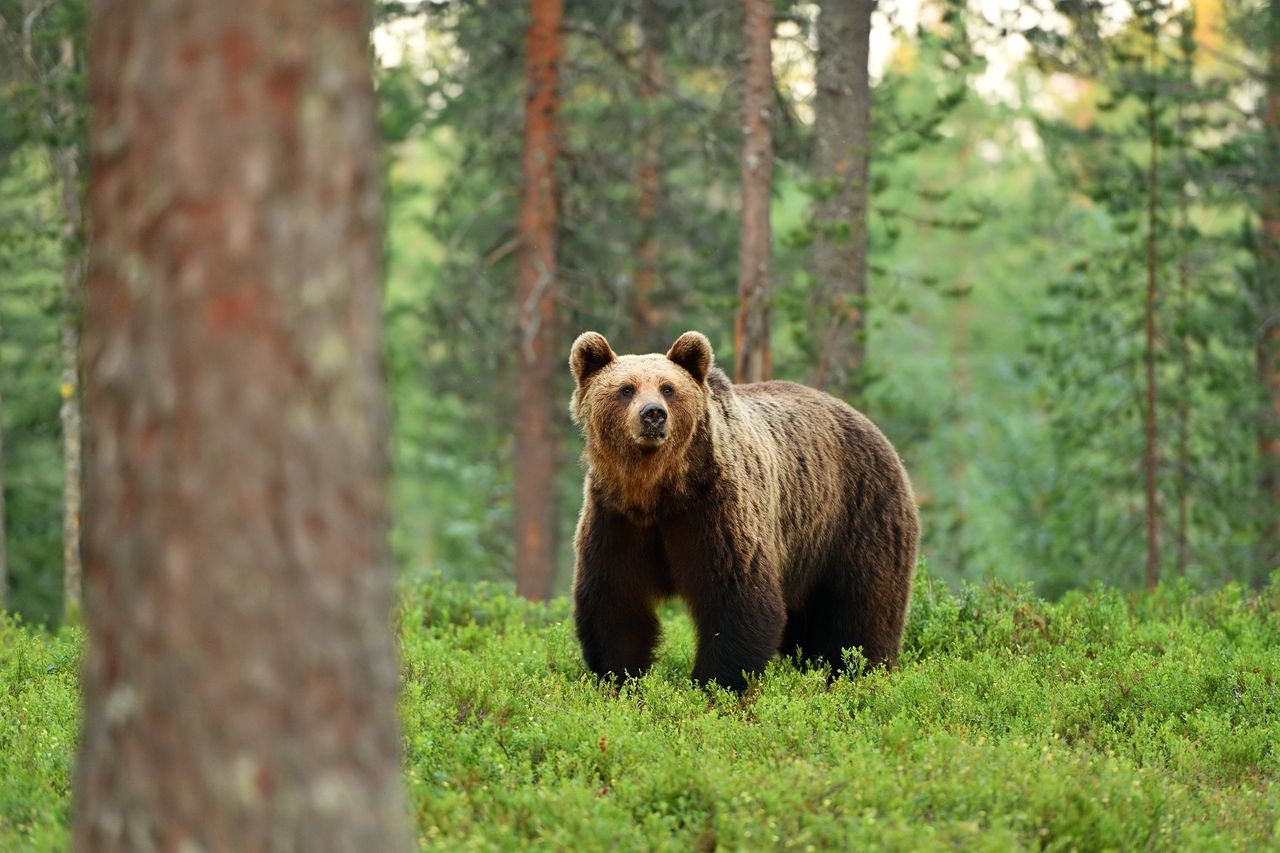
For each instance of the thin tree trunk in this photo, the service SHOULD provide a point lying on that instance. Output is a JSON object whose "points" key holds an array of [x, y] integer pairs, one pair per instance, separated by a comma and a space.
{"points": [[1150, 455], [240, 679], [645, 318], [1268, 267], [1184, 353], [841, 160], [67, 165], [68, 161], [59, 114], [537, 440], [752, 360]]}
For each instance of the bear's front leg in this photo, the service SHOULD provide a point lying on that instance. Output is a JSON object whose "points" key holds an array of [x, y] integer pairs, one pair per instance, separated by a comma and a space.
{"points": [[617, 582], [734, 597], [739, 630]]}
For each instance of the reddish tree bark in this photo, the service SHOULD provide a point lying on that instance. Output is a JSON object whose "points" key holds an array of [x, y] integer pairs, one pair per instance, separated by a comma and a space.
{"points": [[1268, 271], [645, 318], [537, 447], [841, 160], [752, 359], [240, 679]]}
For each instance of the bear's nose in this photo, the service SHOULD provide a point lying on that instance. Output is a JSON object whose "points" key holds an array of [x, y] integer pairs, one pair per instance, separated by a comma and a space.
{"points": [[653, 415]]}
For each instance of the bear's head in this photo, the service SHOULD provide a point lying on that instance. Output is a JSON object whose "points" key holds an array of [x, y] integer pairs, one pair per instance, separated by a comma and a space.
{"points": [[639, 412]]}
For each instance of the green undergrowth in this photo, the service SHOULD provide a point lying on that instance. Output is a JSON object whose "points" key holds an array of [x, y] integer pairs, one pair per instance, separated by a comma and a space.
{"points": [[1103, 721]]}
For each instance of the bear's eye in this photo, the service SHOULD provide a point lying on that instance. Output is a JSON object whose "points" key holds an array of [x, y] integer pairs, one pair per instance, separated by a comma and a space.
{"points": [[668, 390], [627, 392]]}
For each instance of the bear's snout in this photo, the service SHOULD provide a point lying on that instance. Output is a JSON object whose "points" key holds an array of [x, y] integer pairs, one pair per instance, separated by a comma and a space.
{"points": [[653, 415], [649, 424]]}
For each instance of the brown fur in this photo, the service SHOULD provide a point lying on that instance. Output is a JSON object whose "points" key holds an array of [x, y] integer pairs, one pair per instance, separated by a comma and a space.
{"points": [[781, 516]]}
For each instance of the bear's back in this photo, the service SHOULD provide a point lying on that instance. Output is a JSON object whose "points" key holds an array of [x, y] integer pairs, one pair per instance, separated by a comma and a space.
{"points": [[811, 466]]}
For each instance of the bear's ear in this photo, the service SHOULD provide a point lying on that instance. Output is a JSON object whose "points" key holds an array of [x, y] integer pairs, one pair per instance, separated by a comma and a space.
{"points": [[692, 351], [590, 353]]}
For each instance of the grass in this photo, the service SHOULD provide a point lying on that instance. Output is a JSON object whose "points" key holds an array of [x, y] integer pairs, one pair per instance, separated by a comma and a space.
{"points": [[1103, 721]]}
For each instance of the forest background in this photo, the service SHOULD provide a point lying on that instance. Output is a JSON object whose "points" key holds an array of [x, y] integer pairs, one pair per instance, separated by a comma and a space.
{"points": [[1069, 326]]}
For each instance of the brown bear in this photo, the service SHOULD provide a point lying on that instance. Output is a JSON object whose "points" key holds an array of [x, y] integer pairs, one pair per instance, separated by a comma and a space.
{"points": [[779, 514]]}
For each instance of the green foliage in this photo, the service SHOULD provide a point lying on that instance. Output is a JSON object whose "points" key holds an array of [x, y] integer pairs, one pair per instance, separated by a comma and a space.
{"points": [[42, 112], [1088, 339], [1102, 721], [1005, 281], [30, 290], [453, 117], [39, 720]]}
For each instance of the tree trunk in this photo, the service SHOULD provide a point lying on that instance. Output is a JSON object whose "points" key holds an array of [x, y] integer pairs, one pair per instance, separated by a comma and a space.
{"points": [[67, 164], [240, 679], [841, 159], [1150, 456], [1184, 352], [752, 360], [537, 406], [645, 317], [1268, 271]]}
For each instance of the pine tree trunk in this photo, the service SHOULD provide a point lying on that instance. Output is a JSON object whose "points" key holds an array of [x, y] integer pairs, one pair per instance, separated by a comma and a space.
{"points": [[1184, 354], [537, 403], [1150, 457], [645, 319], [67, 164], [240, 679], [841, 160], [1268, 272], [752, 360]]}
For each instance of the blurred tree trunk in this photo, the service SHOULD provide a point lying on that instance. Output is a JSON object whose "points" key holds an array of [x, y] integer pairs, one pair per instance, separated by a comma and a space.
{"points": [[752, 360], [645, 316], [1150, 457], [537, 402], [1268, 275], [1184, 348], [240, 679], [67, 162], [841, 158], [9, 64]]}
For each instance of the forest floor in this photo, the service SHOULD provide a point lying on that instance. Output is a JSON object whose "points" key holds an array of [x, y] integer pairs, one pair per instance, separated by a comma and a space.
{"points": [[1102, 721]]}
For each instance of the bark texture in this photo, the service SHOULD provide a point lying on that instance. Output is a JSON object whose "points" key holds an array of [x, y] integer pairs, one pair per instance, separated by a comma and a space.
{"points": [[841, 159], [241, 678], [646, 319], [752, 359], [1269, 303], [537, 447]]}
